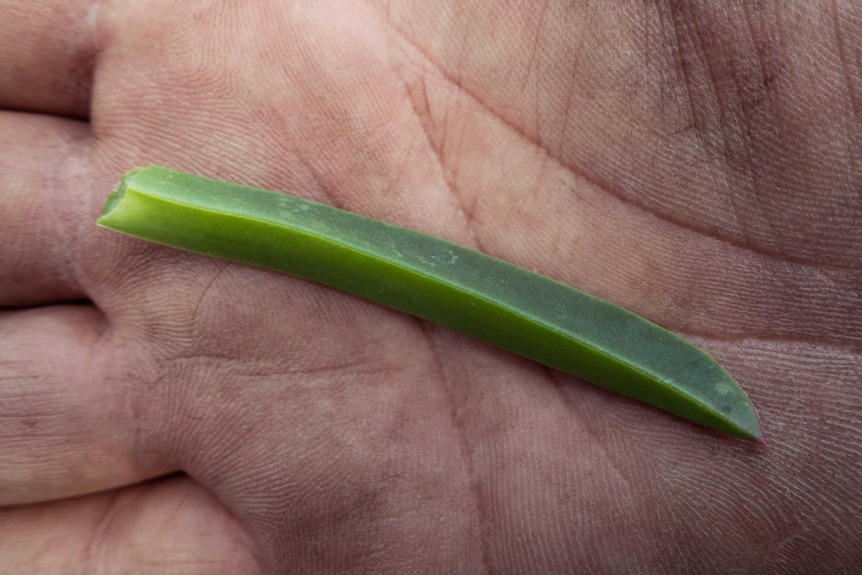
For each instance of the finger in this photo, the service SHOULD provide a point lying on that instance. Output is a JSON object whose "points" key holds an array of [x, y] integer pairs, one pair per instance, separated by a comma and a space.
{"points": [[66, 427], [42, 158], [48, 68], [167, 526]]}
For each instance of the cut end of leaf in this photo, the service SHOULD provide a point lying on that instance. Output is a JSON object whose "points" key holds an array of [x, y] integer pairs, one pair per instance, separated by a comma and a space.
{"points": [[116, 196]]}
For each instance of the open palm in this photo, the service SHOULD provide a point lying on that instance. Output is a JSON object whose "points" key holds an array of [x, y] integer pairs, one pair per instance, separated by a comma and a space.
{"points": [[161, 411]]}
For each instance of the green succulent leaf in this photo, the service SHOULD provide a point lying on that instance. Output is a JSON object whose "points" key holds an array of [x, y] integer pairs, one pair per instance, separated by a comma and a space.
{"points": [[438, 281]]}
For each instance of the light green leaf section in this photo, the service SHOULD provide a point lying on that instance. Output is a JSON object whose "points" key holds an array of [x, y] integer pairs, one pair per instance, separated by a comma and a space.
{"points": [[438, 281]]}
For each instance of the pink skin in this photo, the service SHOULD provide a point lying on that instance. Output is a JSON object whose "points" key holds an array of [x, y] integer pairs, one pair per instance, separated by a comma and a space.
{"points": [[696, 164]]}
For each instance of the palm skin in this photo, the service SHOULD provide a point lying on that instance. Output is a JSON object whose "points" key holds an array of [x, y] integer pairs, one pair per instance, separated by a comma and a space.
{"points": [[695, 164]]}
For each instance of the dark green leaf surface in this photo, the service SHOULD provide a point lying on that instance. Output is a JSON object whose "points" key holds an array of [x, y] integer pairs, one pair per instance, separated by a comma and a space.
{"points": [[436, 280]]}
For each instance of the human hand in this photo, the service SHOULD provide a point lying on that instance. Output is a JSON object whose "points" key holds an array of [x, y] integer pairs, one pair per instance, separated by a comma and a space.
{"points": [[695, 165]]}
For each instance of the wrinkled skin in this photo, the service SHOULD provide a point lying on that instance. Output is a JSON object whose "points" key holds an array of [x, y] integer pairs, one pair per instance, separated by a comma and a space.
{"points": [[698, 163]]}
